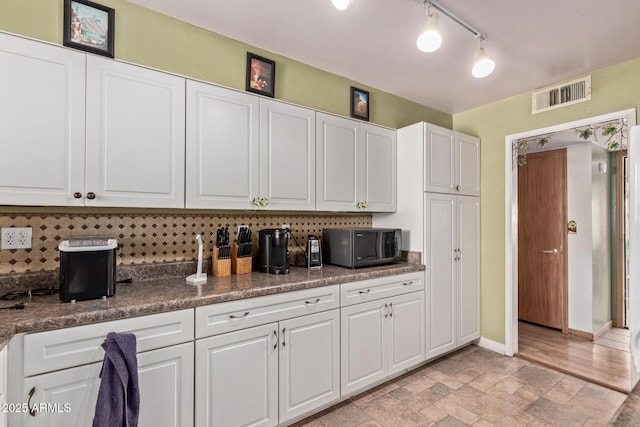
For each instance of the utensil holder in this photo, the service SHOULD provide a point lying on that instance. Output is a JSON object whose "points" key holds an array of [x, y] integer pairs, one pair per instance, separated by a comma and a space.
{"points": [[240, 265], [221, 267]]}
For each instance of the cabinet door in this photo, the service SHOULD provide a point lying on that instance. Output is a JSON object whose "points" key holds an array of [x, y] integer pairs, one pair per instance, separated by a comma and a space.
{"points": [[43, 123], [3, 385], [467, 164], [135, 136], [309, 363], [166, 391], [339, 158], [237, 378], [166, 386], [468, 277], [406, 331], [439, 160], [222, 148], [440, 276], [287, 156], [379, 169], [363, 345]]}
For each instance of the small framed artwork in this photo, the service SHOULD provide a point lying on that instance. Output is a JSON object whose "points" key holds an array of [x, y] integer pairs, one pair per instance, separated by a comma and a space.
{"points": [[88, 26], [359, 104], [261, 75]]}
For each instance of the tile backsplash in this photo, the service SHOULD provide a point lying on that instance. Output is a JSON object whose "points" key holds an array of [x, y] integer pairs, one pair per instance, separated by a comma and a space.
{"points": [[152, 238]]}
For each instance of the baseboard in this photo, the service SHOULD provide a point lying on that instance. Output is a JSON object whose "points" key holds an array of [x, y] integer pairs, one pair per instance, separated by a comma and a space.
{"points": [[600, 332], [581, 334], [491, 345]]}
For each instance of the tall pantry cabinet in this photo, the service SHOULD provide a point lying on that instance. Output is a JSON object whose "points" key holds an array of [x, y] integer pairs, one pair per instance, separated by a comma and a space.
{"points": [[439, 212]]}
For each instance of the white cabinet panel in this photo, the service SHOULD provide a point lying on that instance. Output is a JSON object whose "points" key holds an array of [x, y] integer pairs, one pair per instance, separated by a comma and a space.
{"points": [[165, 383], [440, 235], [338, 143], [468, 273], [287, 156], [309, 363], [222, 147], [379, 169], [439, 161], [43, 123], [166, 386], [237, 378], [468, 164], [406, 337], [135, 136], [364, 349]]}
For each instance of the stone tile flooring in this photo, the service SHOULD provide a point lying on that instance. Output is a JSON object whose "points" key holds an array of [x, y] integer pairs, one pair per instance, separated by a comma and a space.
{"points": [[476, 387]]}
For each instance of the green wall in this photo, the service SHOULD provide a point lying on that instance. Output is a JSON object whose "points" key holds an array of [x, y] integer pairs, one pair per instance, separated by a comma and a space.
{"points": [[155, 40], [613, 89]]}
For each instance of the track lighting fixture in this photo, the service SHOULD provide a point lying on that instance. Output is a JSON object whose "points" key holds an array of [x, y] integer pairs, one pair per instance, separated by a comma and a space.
{"points": [[430, 40], [483, 65], [340, 4]]}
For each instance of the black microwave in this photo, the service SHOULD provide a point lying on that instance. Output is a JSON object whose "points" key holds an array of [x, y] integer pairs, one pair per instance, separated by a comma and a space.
{"points": [[361, 247]]}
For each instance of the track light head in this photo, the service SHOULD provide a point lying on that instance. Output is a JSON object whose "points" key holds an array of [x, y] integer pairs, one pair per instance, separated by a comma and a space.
{"points": [[483, 65], [430, 40], [340, 4]]}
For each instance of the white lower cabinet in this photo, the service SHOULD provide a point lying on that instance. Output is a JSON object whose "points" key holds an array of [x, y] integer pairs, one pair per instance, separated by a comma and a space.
{"points": [[3, 385], [380, 338], [68, 397], [268, 374]]}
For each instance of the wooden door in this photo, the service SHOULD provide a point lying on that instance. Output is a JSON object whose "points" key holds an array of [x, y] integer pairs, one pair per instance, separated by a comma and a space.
{"points": [[542, 280]]}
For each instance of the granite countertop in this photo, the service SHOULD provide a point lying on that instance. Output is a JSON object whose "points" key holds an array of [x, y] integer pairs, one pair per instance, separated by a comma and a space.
{"points": [[139, 298]]}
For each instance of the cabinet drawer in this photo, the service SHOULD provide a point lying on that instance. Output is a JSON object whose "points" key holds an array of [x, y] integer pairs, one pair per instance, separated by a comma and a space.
{"points": [[230, 316], [65, 348], [380, 287]]}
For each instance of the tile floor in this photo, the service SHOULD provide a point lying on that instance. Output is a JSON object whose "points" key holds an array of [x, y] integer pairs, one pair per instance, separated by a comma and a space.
{"points": [[476, 387]]}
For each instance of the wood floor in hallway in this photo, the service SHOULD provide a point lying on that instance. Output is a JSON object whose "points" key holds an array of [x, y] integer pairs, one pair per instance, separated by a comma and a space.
{"points": [[576, 356]]}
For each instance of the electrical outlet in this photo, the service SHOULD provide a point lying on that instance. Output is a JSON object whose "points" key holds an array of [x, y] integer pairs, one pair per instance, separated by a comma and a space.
{"points": [[286, 226], [16, 238]]}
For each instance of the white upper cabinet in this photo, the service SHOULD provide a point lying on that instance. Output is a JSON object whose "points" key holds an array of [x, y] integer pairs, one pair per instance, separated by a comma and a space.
{"points": [[379, 169], [356, 169], [222, 147], [287, 156], [244, 152], [42, 105], [338, 144], [452, 162], [135, 136]]}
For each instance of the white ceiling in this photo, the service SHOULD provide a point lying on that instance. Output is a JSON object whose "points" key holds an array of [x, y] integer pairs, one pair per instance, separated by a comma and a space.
{"points": [[373, 42]]}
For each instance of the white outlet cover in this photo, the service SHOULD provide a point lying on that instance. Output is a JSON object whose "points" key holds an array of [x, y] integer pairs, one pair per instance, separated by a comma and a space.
{"points": [[16, 238]]}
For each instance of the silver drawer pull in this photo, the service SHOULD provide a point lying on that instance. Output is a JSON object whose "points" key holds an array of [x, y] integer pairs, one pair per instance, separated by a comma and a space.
{"points": [[364, 292], [275, 336], [233, 316], [32, 410], [314, 302], [550, 251], [408, 284]]}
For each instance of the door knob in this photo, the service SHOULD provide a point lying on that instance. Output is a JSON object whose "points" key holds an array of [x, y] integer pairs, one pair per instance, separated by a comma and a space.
{"points": [[550, 251]]}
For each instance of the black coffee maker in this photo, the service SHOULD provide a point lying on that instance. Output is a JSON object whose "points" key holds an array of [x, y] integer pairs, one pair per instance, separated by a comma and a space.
{"points": [[273, 250]]}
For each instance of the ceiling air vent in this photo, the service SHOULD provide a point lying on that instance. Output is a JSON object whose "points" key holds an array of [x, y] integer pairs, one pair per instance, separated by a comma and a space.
{"points": [[557, 96]]}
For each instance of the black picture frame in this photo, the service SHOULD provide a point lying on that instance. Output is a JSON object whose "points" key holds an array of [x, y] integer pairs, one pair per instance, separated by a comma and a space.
{"points": [[89, 26], [261, 75], [360, 104]]}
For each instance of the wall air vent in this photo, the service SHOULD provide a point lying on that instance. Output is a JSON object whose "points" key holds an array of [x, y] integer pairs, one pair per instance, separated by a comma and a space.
{"points": [[561, 95]]}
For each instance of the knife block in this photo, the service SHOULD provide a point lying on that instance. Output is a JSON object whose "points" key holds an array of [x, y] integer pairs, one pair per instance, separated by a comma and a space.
{"points": [[241, 265], [221, 267]]}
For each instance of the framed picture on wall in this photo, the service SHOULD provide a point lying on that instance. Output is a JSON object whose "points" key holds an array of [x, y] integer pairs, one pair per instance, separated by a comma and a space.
{"points": [[261, 75], [88, 26], [359, 104]]}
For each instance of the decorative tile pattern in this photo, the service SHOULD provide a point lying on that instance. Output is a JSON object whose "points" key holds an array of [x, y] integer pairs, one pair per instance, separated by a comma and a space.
{"points": [[153, 238], [513, 392]]}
